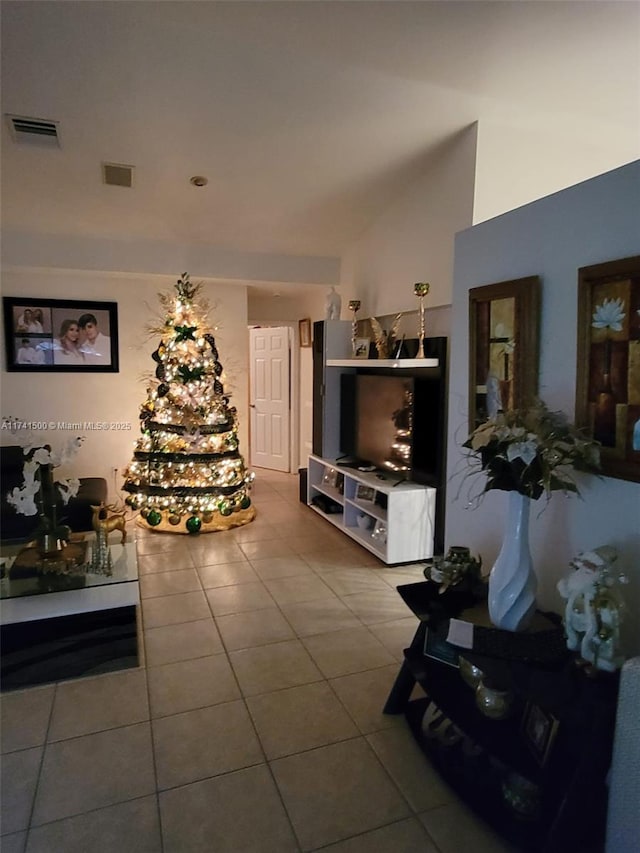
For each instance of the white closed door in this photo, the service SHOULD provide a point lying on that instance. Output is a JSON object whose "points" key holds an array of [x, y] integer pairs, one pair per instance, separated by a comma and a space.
{"points": [[270, 398]]}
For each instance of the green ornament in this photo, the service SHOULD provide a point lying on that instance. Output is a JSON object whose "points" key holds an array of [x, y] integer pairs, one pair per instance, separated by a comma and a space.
{"points": [[194, 524], [245, 503], [225, 508], [154, 517]]}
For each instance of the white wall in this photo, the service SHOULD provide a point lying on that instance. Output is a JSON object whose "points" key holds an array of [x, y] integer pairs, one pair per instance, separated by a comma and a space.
{"points": [[524, 158], [593, 222], [413, 239], [118, 396]]}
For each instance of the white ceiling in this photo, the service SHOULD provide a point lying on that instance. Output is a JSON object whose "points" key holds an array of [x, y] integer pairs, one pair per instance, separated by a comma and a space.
{"points": [[307, 117]]}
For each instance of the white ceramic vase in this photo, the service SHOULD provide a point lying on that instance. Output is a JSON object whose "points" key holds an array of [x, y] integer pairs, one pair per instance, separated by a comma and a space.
{"points": [[512, 582]]}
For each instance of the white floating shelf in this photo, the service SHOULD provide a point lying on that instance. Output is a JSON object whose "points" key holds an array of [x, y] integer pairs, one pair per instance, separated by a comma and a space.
{"points": [[383, 362]]}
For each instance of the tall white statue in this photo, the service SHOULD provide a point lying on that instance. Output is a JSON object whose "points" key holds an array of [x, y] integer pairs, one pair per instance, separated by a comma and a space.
{"points": [[332, 305]]}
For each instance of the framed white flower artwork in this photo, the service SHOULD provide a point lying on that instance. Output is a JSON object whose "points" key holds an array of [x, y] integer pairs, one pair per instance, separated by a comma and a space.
{"points": [[608, 372]]}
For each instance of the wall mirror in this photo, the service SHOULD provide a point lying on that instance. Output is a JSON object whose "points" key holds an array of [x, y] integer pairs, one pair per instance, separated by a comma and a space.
{"points": [[504, 323]]}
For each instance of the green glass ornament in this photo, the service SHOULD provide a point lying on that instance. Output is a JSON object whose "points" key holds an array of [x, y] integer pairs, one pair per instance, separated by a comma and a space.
{"points": [[154, 517], [194, 524], [225, 508], [245, 503]]}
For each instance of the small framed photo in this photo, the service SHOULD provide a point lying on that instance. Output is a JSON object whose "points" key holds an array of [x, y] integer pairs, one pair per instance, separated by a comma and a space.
{"points": [[440, 650], [539, 729], [366, 494], [361, 347], [304, 332], [60, 335]]}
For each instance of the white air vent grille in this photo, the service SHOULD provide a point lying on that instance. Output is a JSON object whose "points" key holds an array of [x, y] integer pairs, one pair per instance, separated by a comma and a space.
{"points": [[34, 130], [117, 175]]}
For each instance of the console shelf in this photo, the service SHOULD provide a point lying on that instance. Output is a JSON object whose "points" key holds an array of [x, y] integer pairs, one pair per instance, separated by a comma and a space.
{"points": [[391, 518]]}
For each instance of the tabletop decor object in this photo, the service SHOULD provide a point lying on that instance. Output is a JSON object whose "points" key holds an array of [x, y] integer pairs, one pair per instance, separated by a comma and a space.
{"points": [[528, 453], [421, 288], [594, 607], [456, 566], [38, 494], [354, 306], [386, 342]]}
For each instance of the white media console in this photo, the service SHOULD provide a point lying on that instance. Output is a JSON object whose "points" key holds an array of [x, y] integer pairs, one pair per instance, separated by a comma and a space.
{"points": [[394, 520]]}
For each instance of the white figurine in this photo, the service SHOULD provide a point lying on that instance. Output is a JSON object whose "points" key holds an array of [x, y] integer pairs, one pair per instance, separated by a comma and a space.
{"points": [[332, 305], [594, 607]]}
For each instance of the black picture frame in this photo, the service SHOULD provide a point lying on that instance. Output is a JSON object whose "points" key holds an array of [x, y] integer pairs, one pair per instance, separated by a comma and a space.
{"points": [[39, 335], [539, 729], [438, 649]]}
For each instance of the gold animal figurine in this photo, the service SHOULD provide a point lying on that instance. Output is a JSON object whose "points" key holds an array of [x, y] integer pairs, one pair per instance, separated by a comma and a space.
{"points": [[104, 523]]}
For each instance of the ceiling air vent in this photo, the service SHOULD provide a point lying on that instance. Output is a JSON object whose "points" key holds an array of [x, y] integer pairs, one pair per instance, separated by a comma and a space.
{"points": [[36, 131], [117, 175]]}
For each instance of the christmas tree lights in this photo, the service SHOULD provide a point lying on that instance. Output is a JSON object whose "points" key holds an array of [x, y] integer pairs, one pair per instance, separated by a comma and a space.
{"points": [[187, 474]]}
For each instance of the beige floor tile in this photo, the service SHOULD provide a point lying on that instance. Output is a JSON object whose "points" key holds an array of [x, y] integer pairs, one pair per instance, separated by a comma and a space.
{"points": [[203, 743], [400, 575], [376, 606], [318, 617], [171, 560], [246, 630], [396, 635], [405, 836], [14, 843], [258, 531], [268, 548], [94, 771], [364, 695], [187, 685], [281, 567], [148, 542], [344, 652], [240, 598], [171, 609], [24, 717], [169, 583], [294, 590], [226, 574], [299, 718], [237, 812], [336, 791], [454, 827], [132, 827], [171, 643], [353, 581], [312, 542], [340, 558], [19, 778], [95, 704], [273, 667], [214, 551], [412, 772]]}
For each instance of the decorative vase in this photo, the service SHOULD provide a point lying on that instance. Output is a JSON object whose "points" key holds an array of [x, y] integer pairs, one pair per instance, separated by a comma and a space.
{"points": [[494, 702], [512, 582], [50, 535]]}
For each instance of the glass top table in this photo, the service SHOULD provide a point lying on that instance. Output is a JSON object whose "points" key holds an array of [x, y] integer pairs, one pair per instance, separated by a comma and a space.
{"points": [[29, 592]]}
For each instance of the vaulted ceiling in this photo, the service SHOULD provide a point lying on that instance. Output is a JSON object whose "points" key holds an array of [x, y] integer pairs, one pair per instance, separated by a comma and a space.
{"points": [[307, 118]]}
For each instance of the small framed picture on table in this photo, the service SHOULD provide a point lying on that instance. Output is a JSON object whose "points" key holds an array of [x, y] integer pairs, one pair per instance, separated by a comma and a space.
{"points": [[365, 494], [361, 347], [539, 729]]}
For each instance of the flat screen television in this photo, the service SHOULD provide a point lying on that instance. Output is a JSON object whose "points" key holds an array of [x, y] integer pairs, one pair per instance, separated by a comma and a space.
{"points": [[393, 423]]}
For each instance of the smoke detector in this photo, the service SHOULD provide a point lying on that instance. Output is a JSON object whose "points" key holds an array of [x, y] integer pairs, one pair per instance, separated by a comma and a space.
{"points": [[199, 181], [34, 131], [117, 175]]}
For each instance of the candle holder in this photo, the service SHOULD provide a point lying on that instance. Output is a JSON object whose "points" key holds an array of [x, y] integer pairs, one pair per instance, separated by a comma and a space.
{"points": [[354, 305], [421, 288]]}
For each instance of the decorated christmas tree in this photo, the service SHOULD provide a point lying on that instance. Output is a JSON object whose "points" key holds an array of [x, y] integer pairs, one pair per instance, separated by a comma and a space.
{"points": [[187, 474]]}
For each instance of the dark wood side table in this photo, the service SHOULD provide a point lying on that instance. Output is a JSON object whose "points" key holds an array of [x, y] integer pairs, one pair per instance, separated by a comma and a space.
{"points": [[537, 776]]}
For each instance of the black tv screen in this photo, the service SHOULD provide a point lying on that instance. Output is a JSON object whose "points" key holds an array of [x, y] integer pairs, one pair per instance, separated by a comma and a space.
{"points": [[390, 422], [384, 422]]}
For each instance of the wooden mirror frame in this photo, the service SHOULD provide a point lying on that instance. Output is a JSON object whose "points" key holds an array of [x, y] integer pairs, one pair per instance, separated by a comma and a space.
{"points": [[526, 294]]}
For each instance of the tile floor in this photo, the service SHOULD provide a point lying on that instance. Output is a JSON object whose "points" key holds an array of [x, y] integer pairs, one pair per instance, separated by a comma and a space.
{"points": [[255, 723]]}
